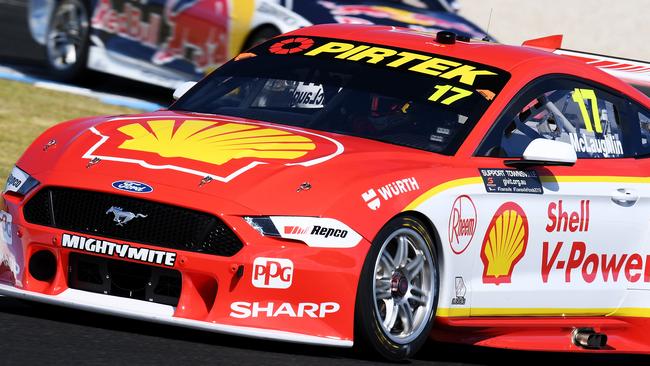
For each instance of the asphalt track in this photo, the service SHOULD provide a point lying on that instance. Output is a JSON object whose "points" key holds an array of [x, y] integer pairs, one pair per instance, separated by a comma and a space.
{"points": [[40, 334]]}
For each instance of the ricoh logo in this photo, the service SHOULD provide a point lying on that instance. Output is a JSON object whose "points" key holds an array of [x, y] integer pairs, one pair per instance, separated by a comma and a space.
{"points": [[272, 273]]}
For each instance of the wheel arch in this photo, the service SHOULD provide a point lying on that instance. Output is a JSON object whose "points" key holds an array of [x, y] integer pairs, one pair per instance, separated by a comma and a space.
{"points": [[431, 229], [259, 29]]}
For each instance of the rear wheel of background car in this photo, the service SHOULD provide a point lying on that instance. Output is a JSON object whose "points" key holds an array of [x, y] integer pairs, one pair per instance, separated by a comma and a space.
{"points": [[259, 36], [67, 40], [398, 291]]}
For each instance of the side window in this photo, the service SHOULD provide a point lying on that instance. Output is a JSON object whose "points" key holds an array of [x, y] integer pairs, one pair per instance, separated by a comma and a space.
{"points": [[644, 124], [584, 117]]}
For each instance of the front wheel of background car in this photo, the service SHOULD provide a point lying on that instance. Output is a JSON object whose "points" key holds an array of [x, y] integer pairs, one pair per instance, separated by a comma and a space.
{"points": [[66, 45], [398, 291]]}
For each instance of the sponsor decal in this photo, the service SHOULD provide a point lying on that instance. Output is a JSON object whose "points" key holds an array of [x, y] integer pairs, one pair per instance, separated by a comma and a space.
{"points": [[171, 29], [243, 309], [122, 217], [511, 181], [462, 223], [453, 80], [13, 183], [409, 18], [326, 232], [389, 191], [562, 220], [317, 232], [608, 146], [129, 21], [438, 68], [308, 95], [291, 45], [577, 262], [132, 186], [16, 180], [219, 150], [460, 292], [124, 251], [6, 234], [504, 244], [201, 43], [272, 273], [7, 257]]}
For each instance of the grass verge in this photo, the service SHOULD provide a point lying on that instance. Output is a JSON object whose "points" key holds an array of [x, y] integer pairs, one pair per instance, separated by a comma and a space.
{"points": [[26, 111]]}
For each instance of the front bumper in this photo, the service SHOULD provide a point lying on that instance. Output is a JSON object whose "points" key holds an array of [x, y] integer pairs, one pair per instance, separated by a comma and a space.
{"points": [[219, 294], [163, 314]]}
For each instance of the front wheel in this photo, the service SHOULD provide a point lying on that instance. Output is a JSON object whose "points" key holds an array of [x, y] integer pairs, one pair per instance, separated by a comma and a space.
{"points": [[398, 290], [67, 40]]}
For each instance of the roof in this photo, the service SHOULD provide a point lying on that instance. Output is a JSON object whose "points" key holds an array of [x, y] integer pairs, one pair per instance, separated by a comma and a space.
{"points": [[493, 54], [504, 57]]}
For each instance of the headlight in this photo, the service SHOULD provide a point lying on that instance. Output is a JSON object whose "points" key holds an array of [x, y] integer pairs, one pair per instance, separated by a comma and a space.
{"points": [[318, 232], [20, 182], [263, 225]]}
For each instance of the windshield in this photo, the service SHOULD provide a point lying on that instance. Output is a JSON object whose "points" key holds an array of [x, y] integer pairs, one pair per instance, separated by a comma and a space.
{"points": [[407, 98]]}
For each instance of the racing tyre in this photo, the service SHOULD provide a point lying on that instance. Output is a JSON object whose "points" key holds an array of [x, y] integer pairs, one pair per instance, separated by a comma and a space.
{"points": [[260, 36], [66, 45], [398, 291]]}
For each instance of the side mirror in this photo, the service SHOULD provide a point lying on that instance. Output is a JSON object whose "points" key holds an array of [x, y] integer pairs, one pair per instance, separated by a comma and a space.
{"points": [[181, 90], [546, 152]]}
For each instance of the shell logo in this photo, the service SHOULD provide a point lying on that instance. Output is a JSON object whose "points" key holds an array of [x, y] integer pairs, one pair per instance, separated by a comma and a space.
{"points": [[214, 143], [219, 149], [504, 244]]}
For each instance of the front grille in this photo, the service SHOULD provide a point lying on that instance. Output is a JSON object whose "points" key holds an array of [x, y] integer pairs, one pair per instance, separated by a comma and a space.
{"points": [[124, 279], [164, 225]]}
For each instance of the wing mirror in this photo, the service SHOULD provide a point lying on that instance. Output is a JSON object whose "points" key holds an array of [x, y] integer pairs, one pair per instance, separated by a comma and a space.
{"points": [[183, 88], [545, 152]]}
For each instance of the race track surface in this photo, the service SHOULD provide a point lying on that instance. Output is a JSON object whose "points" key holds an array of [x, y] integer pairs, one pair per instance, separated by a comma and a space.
{"points": [[43, 334]]}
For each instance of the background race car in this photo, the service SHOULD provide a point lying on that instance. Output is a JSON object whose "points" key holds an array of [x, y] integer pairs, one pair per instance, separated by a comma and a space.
{"points": [[165, 42]]}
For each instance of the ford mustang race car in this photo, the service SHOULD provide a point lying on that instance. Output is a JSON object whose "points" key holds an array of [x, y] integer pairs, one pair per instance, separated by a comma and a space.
{"points": [[166, 42], [353, 184]]}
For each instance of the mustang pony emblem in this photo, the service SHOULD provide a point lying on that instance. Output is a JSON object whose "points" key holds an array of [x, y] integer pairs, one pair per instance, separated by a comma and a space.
{"points": [[121, 216]]}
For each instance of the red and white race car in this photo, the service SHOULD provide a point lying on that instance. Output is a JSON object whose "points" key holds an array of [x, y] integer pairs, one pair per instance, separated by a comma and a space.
{"points": [[365, 184]]}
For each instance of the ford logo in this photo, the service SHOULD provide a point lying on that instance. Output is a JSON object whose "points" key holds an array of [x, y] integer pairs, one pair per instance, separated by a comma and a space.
{"points": [[131, 186]]}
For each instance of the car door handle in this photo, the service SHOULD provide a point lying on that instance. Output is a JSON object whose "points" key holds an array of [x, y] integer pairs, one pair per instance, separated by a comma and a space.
{"points": [[624, 196]]}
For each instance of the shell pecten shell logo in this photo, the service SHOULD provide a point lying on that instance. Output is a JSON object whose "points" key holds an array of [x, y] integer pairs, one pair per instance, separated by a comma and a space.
{"points": [[214, 143], [504, 244], [221, 149]]}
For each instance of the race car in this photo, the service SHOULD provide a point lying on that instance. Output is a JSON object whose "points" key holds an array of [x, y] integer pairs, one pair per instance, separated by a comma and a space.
{"points": [[356, 185], [167, 42]]}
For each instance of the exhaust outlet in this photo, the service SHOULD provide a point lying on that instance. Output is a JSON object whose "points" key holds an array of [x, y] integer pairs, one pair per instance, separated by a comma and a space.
{"points": [[588, 338]]}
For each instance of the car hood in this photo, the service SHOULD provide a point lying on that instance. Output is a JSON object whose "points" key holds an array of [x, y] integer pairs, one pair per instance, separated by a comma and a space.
{"points": [[384, 12], [245, 166]]}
